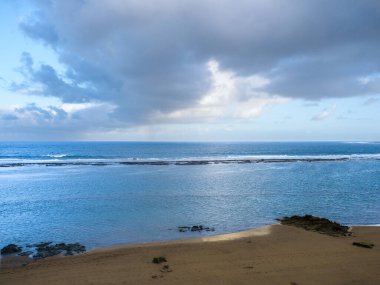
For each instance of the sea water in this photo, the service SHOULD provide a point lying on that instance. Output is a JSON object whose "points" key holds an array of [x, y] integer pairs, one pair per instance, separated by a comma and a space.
{"points": [[106, 193]]}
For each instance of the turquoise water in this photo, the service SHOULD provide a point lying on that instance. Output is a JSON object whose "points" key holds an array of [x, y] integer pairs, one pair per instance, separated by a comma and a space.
{"points": [[42, 199]]}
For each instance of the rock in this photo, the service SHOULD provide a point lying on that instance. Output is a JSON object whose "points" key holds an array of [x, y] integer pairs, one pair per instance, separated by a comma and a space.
{"points": [[363, 244], [47, 249], [155, 276], [41, 244], [25, 253], [196, 228], [11, 248], [166, 268], [159, 259], [46, 253], [183, 229], [75, 247], [320, 225]]}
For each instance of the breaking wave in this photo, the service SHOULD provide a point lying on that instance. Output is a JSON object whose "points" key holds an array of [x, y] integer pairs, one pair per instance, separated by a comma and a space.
{"points": [[63, 159]]}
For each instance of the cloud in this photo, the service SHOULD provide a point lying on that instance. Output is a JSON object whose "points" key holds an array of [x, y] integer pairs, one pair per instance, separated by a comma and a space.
{"points": [[321, 116], [324, 114], [8, 117], [371, 101], [152, 61], [37, 27], [46, 81], [69, 121], [230, 97], [40, 115]]}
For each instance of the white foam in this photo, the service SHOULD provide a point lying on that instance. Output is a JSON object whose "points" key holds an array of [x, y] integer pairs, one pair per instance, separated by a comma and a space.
{"points": [[216, 159], [365, 225], [56, 155]]}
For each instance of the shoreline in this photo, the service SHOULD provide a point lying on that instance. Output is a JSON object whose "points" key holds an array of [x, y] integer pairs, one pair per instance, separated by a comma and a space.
{"points": [[206, 238], [274, 254], [15, 261], [262, 230]]}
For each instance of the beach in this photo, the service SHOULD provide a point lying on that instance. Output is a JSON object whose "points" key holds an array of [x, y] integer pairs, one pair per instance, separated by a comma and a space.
{"points": [[275, 254], [190, 142], [127, 203]]}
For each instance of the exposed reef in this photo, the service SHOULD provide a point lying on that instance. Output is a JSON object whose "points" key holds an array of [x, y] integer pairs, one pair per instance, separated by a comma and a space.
{"points": [[175, 162], [196, 228], [316, 224]]}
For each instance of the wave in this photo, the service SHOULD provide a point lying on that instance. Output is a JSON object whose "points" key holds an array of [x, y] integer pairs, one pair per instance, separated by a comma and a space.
{"points": [[365, 225], [361, 142], [56, 155], [8, 162]]}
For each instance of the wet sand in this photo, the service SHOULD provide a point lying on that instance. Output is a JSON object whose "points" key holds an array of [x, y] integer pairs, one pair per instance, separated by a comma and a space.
{"points": [[274, 254]]}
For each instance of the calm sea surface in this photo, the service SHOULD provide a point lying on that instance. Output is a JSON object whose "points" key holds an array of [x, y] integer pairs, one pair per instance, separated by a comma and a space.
{"points": [[101, 194]]}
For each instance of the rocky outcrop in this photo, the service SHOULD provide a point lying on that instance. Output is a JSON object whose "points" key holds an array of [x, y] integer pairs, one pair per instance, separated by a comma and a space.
{"points": [[196, 228], [11, 248], [363, 244], [47, 249], [316, 224], [159, 259]]}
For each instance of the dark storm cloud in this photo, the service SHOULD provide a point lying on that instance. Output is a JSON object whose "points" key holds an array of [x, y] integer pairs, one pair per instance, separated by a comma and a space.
{"points": [[146, 57], [70, 87]]}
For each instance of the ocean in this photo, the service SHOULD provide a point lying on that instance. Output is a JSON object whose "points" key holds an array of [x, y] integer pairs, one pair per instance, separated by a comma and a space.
{"points": [[108, 193]]}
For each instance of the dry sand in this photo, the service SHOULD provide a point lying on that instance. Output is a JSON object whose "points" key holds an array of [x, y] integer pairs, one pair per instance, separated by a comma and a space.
{"points": [[271, 255]]}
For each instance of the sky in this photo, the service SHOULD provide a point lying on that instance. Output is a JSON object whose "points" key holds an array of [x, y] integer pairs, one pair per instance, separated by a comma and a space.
{"points": [[207, 70]]}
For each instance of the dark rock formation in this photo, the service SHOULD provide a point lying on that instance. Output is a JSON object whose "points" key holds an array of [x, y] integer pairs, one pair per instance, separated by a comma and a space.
{"points": [[363, 244], [196, 228], [11, 248], [47, 249], [158, 260], [25, 253], [316, 224]]}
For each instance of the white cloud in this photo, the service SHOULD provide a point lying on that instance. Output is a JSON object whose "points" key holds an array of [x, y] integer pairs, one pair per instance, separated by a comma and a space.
{"points": [[369, 78], [324, 114], [255, 107], [75, 107], [231, 96]]}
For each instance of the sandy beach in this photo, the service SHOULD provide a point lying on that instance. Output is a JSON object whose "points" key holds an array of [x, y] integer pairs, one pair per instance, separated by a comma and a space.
{"points": [[275, 254]]}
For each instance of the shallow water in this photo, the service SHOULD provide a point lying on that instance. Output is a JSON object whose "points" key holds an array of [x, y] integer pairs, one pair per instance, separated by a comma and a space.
{"points": [[112, 204]]}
